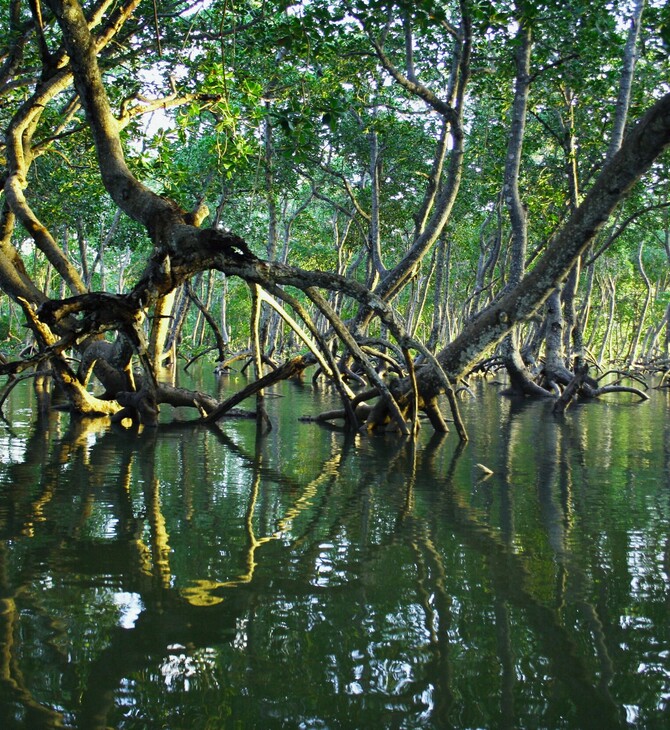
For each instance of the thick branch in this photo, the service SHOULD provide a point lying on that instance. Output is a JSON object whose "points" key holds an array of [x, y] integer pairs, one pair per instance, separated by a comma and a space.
{"points": [[127, 192], [287, 370]]}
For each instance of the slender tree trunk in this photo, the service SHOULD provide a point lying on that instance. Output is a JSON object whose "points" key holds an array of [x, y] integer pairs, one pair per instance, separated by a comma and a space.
{"points": [[490, 244], [268, 317], [573, 343], [161, 327], [635, 342], [574, 326], [66, 245], [610, 321], [377, 268], [440, 292], [263, 424], [124, 263], [651, 339], [224, 311], [519, 383], [626, 81], [611, 186], [419, 299], [439, 199], [105, 240], [179, 313], [196, 283], [585, 311], [511, 196], [206, 307], [83, 252], [554, 358], [47, 280]]}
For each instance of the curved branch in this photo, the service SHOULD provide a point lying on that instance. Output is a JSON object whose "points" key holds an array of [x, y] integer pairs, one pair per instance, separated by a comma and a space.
{"points": [[594, 393], [415, 88], [287, 370], [83, 401], [15, 380], [621, 228], [127, 192], [306, 339], [358, 353]]}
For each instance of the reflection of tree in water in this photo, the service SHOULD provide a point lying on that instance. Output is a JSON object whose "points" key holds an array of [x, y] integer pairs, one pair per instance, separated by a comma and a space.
{"points": [[555, 500], [511, 581], [170, 617], [407, 635]]}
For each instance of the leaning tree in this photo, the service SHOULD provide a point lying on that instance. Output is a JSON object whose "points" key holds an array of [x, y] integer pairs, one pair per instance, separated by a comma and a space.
{"points": [[68, 72]]}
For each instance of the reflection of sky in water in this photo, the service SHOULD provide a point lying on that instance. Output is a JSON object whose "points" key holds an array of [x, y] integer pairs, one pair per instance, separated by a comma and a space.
{"points": [[241, 639], [12, 451], [180, 668], [646, 565], [131, 606]]}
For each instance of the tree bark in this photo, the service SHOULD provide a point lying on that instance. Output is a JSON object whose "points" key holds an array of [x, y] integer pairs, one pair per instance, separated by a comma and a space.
{"points": [[518, 379], [635, 342]]}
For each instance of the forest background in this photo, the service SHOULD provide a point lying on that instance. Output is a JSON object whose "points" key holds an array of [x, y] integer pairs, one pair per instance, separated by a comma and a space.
{"points": [[384, 186]]}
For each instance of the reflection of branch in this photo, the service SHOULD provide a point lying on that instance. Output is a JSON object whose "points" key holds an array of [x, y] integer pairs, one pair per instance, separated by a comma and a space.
{"points": [[507, 674], [36, 714], [206, 592], [160, 548], [51, 467], [437, 606], [510, 577], [434, 597], [572, 569]]}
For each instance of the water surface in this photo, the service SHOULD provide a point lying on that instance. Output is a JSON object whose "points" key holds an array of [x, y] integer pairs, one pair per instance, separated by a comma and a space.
{"points": [[183, 577]]}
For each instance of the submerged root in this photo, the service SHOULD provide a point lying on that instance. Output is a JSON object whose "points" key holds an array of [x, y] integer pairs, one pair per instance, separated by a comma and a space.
{"points": [[565, 385], [595, 393]]}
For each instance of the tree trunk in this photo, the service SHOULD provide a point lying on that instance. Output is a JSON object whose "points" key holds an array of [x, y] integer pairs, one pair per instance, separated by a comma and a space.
{"points": [[554, 365], [626, 83], [635, 342], [374, 240], [83, 253], [610, 321], [519, 381], [440, 293], [160, 329]]}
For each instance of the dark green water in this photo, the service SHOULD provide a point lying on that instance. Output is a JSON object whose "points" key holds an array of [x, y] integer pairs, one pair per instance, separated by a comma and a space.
{"points": [[188, 578]]}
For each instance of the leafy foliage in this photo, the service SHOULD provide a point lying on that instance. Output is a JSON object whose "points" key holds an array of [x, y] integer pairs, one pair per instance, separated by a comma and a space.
{"points": [[273, 107]]}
